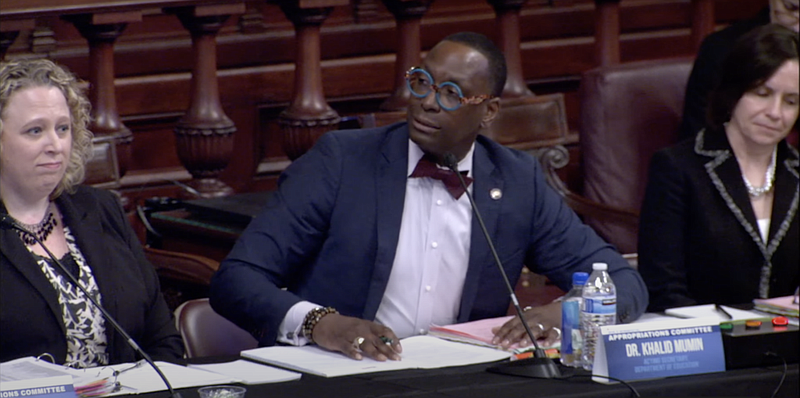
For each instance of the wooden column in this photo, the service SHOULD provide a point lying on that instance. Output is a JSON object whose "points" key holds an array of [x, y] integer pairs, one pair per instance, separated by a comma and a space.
{"points": [[204, 135], [507, 12], [606, 34], [408, 14], [702, 21], [6, 40], [101, 31], [9, 30], [309, 115]]}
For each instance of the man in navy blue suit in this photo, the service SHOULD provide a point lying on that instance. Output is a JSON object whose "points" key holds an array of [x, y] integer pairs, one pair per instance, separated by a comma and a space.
{"points": [[364, 243]]}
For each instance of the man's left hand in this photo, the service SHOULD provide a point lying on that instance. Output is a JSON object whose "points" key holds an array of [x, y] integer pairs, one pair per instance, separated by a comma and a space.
{"points": [[544, 321]]}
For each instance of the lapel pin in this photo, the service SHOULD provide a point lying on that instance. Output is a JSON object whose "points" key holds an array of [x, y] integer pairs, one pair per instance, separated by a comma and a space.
{"points": [[496, 193]]}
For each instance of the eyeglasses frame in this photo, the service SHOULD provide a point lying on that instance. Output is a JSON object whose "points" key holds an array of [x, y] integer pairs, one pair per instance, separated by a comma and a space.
{"points": [[473, 100]]}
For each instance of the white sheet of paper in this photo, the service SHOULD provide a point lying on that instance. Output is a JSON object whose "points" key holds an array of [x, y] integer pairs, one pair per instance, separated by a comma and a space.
{"points": [[250, 372], [145, 379], [31, 368], [419, 352], [140, 380], [708, 310]]}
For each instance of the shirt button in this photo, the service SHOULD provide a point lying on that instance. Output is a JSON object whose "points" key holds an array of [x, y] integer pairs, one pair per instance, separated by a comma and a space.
{"points": [[435, 245], [439, 202], [428, 288]]}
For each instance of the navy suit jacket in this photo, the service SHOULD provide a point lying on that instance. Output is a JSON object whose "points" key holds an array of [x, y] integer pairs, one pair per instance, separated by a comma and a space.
{"points": [[29, 311], [329, 235]]}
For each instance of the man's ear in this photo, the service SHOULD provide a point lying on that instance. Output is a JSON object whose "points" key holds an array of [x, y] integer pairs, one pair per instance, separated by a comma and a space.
{"points": [[492, 109]]}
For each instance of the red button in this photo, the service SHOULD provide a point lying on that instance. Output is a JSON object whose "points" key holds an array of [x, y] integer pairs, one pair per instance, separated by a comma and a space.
{"points": [[780, 321]]}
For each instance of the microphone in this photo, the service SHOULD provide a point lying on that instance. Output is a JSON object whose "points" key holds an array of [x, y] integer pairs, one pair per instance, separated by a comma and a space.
{"points": [[539, 366], [9, 222]]}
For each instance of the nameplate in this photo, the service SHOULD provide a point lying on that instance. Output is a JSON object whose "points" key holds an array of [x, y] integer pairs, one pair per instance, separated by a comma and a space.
{"points": [[48, 387], [659, 349]]}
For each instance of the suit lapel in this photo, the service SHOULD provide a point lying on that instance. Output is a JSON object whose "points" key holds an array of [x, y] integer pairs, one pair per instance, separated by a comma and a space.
{"points": [[786, 196], [87, 229], [390, 191], [20, 258], [723, 169], [487, 178]]}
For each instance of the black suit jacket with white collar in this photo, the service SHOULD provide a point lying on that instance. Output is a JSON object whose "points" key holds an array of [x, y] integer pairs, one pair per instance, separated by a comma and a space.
{"points": [[699, 241]]}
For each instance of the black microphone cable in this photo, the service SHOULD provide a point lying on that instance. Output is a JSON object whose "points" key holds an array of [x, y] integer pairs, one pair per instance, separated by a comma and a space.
{"points": [[633, 391], [6, 220], [452, 163], [783, 375], [550, 369]]}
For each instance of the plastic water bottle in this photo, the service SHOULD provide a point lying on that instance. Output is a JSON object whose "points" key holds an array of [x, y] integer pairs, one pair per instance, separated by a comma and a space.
{"points": [[599, 309], [571, 340]]}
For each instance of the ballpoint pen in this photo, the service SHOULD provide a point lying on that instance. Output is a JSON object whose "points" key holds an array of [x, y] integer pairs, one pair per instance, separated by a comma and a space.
{"points": [[134, 366], [722, 310]]}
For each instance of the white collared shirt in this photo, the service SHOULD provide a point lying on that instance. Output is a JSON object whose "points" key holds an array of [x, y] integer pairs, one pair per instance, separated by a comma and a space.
{"points": [[430, 263]]}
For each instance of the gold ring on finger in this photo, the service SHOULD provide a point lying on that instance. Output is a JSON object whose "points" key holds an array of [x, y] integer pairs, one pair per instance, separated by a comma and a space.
{"points": [[357, 343]]}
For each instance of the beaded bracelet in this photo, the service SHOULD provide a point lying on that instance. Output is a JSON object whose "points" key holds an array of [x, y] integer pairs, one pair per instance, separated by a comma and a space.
{"points": [[313, 317]]}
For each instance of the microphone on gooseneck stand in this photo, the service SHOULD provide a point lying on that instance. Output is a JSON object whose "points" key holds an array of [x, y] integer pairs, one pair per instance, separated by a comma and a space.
{"points": [[9, 222], [539, 366]]}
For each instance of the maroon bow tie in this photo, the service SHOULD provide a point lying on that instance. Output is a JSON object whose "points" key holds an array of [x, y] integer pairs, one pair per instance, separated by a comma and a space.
{"points": [[427, 168]]}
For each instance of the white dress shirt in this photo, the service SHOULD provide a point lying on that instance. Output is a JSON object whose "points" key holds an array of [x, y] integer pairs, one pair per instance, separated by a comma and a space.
{"points": [[430, 263]]}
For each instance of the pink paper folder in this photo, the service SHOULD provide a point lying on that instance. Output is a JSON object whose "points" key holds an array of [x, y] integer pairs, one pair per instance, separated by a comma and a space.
{"points": [[779, 305], [475, 332]]}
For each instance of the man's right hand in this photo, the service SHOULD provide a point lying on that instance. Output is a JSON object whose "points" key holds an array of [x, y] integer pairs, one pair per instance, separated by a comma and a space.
{"points": [[341, 333]]}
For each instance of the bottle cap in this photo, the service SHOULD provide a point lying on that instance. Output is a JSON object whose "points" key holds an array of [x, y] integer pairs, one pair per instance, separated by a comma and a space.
{"points": [[580, 278], [600, 266]]}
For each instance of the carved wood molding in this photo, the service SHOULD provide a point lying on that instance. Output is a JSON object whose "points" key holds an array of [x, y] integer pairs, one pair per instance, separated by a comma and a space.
{"points": [[309, 115], [702, 20], [402, 9], [507, 21], [204, 152], [204, 135], [408, 15], [365, 11], [606, 33], [6, 40], [252, 21], [43, 40], [101, 37]]}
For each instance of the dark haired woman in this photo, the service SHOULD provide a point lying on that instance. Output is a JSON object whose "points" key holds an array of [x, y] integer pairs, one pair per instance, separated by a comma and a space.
{"points": [[719, 220]]}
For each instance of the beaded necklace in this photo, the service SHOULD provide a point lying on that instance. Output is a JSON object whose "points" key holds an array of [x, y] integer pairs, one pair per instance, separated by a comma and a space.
{"points": [[42, 230], [769, 178]]}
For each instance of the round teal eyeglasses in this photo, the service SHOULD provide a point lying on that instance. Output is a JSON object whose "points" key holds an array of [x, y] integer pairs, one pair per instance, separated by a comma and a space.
{"points": [[448, 94]]}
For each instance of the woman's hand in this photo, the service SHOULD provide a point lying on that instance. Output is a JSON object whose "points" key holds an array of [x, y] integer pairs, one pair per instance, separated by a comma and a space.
{"points": [[356, 337], [544, 321]]}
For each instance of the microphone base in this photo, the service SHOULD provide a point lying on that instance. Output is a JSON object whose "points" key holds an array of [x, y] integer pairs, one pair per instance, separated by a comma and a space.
{"points": [[535, 368]]}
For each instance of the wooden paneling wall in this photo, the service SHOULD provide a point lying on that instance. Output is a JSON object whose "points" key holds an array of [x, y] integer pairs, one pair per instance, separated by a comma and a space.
{"points": [[255, 52]]}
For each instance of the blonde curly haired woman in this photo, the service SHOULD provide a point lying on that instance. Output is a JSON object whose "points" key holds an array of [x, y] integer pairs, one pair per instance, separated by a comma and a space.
{"points": [[44, 147]]}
